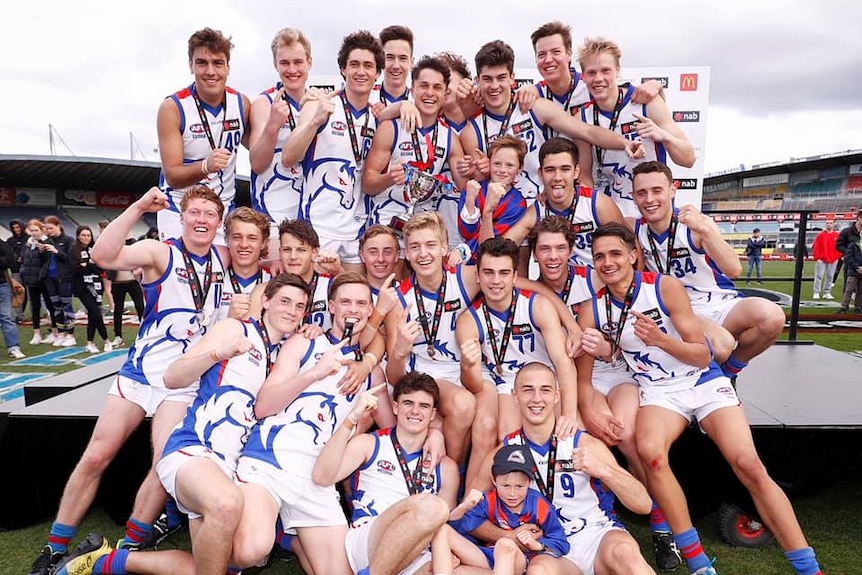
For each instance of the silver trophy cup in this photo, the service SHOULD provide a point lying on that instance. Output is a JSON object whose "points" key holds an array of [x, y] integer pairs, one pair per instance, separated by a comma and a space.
{"points": [[418, 187]]}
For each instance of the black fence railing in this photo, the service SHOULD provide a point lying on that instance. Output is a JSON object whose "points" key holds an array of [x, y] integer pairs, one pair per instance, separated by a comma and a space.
{"points": [[797, 278]]}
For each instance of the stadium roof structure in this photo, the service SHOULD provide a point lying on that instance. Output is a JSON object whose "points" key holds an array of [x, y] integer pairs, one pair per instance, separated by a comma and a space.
{"points": [[819, 162], [80, 173]]}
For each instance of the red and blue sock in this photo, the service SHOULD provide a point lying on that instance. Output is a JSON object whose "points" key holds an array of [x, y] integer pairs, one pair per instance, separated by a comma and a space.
{"points": [[114, 563], [657, 522], [136, 532], [732, 367], [689, 546], [803, 561], [60, 536]]}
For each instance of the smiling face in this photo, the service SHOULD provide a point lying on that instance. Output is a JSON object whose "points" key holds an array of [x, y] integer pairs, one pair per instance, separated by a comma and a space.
{"points": [[200, 219], [351, 303], [210, 70], [429, 92], [414, 411], [425, 250], [245, 243], [292, 63], [600, 72], [495, 86], [552, 252], [536, 395], [496, 279], [360, 72], [380, 255], [398, 60], [653, 194], [285, 310], [505, 166], [613, 259], [553, 60]]}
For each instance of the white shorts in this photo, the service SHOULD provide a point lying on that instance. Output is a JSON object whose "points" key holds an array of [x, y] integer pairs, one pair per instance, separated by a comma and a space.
{"points": [[302, 502], [347, 250], [694, 403], [148, 397], [168, 222], [169, 465], [717, 309], [607, 376], [448, 370], [356, 545], [585, 545]]}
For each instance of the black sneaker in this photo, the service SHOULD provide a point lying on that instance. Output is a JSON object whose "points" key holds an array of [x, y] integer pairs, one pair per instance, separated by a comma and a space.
{"points": [[842, 310], [163, 532], [667, 557], [46, 561], [83, 558]]}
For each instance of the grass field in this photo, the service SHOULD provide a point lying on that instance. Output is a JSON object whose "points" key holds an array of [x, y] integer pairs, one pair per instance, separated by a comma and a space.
{"points": [[831, 519]]}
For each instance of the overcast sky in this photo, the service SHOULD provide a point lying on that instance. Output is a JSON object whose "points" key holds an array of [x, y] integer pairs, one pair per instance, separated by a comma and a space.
{"points": [[786, 76]]}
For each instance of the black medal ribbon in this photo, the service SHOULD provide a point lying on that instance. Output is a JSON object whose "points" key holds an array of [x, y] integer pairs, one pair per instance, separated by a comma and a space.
{"points": [[206, 123], [267, 344], [627, 304], [549, 95], [290, 119], [199, 295], [234, 282], [546, 486], [430, 333], [413, 480], [357, 352], [504, 125], [351, 128], [312, 286], [500, 353], [671, 236], [615, 118]]}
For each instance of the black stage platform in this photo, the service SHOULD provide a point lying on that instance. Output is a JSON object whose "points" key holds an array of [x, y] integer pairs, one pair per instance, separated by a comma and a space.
{"points": [[804, 403]]}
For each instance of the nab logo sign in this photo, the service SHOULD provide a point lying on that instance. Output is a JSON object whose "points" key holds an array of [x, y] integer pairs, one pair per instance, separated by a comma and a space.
{"points": [[687, 116], [664, 81], [686, 184], [688, 82]]}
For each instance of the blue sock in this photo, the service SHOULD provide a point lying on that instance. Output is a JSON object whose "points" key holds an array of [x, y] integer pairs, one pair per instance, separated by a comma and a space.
{"points": [[114, 563], [803, 561], [657, 522], [60, 537], [732, 367], [233, 570], [365, 571], [173, 513], [689, 546], [136, 531]]}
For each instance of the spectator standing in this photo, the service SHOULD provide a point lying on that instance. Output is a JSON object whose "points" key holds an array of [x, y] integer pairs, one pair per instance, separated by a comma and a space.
{"points": [[754, 251], [16, 242], [826, 257], [58, 279], [853, 269], [7, 322], [87, 287], [847, 237], [34, 266]]}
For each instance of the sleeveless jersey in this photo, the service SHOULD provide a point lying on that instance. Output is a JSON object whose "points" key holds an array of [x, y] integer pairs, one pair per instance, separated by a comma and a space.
{"points": [[614, 175], [576, 96], [292, 439], [170, 324], [650, 365], [455, 302], [393, 200], [701, 277], [580, 500], [331, 190], [379, 94], [227, 127], [222, 415], [526, 127], [379, 483], [446, 203], [317, 310], [277, 191], [580, 288], [526, 343], [246, 286]]}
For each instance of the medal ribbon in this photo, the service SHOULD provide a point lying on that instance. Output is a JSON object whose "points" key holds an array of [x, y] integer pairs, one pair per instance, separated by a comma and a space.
{"points": [[549, 95], [627, 304], [504, 125], [357, 352], [545, 487], [430, 334], [199, 295], [267, 344], [206, 123], [671, 236], [290, 120], [312, 286], [235, 282], [430, 145], [351, 129], [500, 354], [413, 480], [615, 117]]}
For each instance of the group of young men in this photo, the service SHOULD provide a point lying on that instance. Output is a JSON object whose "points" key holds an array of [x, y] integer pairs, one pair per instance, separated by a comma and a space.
{"points": [[266, 352]]}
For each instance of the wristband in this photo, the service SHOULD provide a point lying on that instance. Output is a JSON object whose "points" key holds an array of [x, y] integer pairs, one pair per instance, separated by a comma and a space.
{"points": [[465, 251], [204, 167]]}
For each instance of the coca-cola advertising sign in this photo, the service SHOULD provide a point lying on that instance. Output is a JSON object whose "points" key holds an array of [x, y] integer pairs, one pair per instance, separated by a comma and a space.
{"points": [[119, 200]]}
